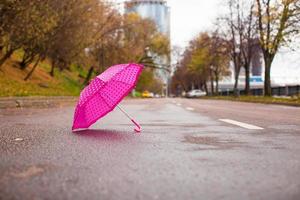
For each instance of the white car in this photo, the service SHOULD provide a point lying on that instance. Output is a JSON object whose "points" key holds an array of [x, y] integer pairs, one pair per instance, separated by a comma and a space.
{"points": [[196, 93], [157, 96]]}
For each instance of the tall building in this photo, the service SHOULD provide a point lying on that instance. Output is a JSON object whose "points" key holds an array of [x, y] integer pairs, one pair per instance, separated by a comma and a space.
{"points": [[156, 10], [159, 12], [257, 65]]}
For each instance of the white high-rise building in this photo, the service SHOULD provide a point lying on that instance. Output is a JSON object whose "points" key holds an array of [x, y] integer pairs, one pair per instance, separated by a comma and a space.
{"points": [[159, 12], [156, 10]]}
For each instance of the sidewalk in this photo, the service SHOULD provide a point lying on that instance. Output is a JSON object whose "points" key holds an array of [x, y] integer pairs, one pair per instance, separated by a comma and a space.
{"points": [[37, 102]]}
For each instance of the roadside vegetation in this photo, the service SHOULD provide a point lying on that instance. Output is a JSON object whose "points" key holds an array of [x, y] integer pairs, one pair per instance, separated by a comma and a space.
{"points": [[55, 47], [65, 83], [244, 29], [291, 101]]}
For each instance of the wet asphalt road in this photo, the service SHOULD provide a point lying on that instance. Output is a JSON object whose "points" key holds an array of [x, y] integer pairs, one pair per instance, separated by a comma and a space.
{"points": [[184, 152]]}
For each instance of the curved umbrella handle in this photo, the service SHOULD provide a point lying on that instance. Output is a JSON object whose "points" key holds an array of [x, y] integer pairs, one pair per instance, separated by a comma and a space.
{"points": [[138, 128]]}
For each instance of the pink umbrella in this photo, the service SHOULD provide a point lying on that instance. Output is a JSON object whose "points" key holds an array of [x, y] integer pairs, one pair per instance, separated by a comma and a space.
{"points": [[104, 93]]}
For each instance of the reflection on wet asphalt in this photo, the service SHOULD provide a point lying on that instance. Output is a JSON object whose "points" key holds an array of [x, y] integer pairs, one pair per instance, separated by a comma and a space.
{"points": [[180, 154]]}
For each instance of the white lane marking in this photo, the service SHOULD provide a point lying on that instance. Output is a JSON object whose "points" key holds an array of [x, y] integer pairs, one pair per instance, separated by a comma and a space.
{"points": [[179, 104], [189, 108], [241, 124]]}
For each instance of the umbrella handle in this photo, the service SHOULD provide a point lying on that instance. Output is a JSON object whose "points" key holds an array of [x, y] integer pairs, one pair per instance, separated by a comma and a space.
{"points": [[137, 128]]}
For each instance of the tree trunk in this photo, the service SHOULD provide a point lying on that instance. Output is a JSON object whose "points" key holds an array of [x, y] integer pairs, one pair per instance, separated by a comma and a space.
{"points": [[52, 71], [32, 70], [205, 87], [24, 64], [211, 83], [267, 85], [5, 57], [26, 61], [247, 81], [89, 75], [182, 86], [52, 68], [217, 84], [212, 89], [236, 83]]}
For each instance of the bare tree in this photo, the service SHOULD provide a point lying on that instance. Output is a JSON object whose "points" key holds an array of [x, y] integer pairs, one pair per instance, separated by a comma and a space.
{"points": [[249, 43], [241, 34], [235, 33]]}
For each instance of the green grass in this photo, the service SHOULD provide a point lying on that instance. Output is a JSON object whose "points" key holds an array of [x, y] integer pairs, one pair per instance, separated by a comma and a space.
{"points": [[64, 83], [294, 101], [14, 88]]}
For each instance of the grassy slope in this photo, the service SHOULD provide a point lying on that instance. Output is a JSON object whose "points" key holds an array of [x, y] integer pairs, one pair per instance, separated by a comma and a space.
{"points": [[66, 83]]}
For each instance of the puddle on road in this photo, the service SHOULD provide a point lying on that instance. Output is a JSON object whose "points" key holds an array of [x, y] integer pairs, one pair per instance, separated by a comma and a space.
{"points": [[29, 172], [212, 143], [26, 172]]}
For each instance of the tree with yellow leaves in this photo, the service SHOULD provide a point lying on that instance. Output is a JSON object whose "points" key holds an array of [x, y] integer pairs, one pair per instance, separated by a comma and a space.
{"points": [[278, 23]]}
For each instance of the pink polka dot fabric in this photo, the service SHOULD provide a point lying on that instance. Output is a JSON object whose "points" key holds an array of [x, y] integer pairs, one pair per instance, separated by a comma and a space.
{"points": [[104, 93]]}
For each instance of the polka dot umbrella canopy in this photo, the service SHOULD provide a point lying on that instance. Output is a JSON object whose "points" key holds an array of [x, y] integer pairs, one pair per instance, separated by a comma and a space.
{"points": [[104, 93]]}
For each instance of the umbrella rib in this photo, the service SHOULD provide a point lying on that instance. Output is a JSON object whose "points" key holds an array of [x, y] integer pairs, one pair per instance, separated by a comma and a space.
{"points": [[101, 97], [121, 82], [108, 96]]}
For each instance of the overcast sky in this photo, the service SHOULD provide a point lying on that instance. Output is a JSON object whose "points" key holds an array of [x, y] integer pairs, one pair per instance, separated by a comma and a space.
{"points": [[189, 17]]}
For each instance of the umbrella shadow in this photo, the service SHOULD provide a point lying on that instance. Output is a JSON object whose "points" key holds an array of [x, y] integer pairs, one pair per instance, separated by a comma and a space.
{"points": [[111, 135]]}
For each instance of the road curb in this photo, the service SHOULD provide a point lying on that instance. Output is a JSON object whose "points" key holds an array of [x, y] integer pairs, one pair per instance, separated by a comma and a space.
{"points": [[291, 104], [35, 102]]}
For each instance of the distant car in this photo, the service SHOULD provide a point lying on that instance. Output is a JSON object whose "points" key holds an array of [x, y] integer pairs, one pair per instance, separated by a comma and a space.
{"points": [[147, 94], [157, 96], [196, 93]]}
